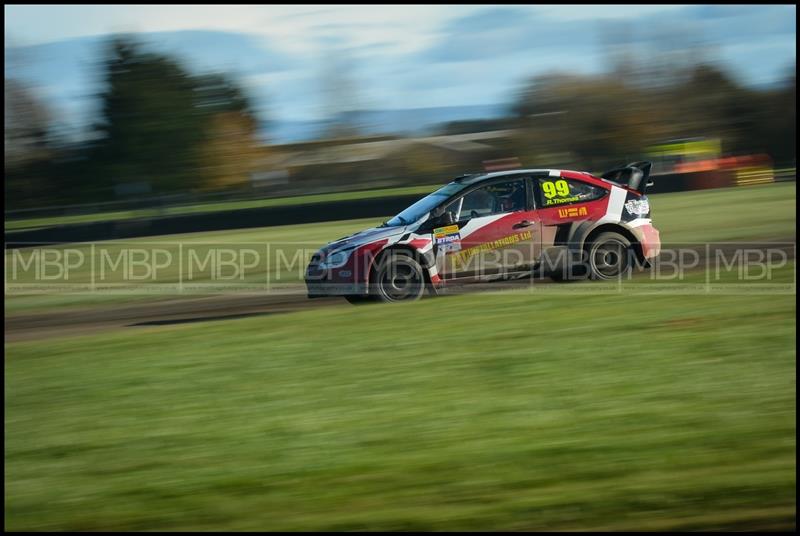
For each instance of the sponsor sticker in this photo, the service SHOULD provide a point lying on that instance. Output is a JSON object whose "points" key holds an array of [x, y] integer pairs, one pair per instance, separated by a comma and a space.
{"points": [[572, 212], [447, 238], [638, 207], [463, 257]]}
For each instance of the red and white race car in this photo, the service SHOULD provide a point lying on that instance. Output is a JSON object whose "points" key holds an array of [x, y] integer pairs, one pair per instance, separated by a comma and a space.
{"points": [[564, 224]]}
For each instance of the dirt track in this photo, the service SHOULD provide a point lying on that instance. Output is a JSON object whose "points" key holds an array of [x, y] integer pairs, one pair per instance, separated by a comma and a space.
{"points": [[70, 321]]}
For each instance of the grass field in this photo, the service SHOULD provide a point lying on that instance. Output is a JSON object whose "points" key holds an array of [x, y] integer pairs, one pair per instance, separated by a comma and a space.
{"points": [[492, 411]]}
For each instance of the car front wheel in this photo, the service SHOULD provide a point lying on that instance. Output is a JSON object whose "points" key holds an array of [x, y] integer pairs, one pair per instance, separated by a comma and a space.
{"points": [[398, 277]]}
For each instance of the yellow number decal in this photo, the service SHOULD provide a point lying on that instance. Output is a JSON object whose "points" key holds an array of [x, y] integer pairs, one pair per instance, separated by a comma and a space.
{"points": [[559, 188]]}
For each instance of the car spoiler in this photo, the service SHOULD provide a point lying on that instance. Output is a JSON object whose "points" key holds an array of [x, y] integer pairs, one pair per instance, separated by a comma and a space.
{"points": [[634, 176]]}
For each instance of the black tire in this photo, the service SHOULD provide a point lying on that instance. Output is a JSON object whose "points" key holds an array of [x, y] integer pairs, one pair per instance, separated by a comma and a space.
{"points": [[397, 277], [609, 256]]}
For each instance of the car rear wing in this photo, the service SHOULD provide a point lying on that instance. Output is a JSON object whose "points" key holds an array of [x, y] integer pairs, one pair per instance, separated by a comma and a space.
{"points": [[634, 176]]}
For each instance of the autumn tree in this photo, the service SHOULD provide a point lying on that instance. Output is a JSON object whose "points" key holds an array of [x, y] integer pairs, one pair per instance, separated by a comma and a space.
{"points": [[597, 119], [232, 150]]}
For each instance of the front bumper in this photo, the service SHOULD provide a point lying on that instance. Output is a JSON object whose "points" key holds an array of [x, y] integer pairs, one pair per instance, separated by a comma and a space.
{"points": [[335, 282], [321, 290]]}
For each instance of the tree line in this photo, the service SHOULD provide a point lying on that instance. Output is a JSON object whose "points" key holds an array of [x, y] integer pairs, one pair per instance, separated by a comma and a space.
{"points": [[601, 120], [162, 129]]}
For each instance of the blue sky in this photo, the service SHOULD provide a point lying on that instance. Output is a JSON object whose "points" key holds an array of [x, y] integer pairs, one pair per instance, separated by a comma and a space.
{"points": [[402, 56]]}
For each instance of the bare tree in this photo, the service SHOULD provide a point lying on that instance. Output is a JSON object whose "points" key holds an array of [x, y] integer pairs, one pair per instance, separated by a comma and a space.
{"points": [[340, 95], [25, 123]]}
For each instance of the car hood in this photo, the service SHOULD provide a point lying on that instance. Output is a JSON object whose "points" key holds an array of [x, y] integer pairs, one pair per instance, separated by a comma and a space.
{"points": [[364, 237]]}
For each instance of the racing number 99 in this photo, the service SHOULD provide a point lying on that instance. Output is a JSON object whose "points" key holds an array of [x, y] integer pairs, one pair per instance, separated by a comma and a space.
{"points": [[558, 188]]}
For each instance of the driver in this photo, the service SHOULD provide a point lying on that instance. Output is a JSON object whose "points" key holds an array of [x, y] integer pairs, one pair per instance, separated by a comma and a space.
{"points": [[515, 200]]}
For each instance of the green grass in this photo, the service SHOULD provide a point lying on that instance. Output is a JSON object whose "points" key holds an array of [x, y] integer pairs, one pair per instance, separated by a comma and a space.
{"points": [[727, 214], [34, 223], [495, 411], [756, 213]]}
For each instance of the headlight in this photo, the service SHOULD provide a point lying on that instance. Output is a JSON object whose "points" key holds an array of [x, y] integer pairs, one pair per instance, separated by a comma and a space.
{"points": [[335, 260]]}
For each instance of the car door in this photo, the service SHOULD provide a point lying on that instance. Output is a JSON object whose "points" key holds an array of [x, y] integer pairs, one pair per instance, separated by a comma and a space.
{"points": [[566, 203], [495, 230]]}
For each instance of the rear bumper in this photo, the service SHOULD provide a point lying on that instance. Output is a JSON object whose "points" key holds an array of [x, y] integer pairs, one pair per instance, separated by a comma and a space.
{"points": [[650, 241]]}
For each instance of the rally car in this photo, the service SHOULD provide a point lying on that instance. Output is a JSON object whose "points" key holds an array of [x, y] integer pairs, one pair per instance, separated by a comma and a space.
{"points": [[564, 224]]}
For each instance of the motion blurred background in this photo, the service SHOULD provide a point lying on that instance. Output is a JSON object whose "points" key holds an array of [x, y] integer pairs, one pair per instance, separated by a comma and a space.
{"points": [[129, 106], [565, 408]]}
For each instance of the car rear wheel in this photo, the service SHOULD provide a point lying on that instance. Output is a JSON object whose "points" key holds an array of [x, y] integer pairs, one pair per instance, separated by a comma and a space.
{"points": [[398, 277], [609, 256]]}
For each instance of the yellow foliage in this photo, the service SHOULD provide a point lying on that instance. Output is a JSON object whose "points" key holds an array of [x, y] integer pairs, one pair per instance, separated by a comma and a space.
{"points": [[232, 151]]}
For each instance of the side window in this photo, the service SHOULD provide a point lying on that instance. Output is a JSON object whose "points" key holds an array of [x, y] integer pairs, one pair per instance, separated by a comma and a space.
{"points": [[497, 198], [556, 191]]}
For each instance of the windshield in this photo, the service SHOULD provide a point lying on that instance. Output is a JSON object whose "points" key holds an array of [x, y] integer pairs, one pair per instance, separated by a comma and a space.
{"points": [[424, 205]]}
